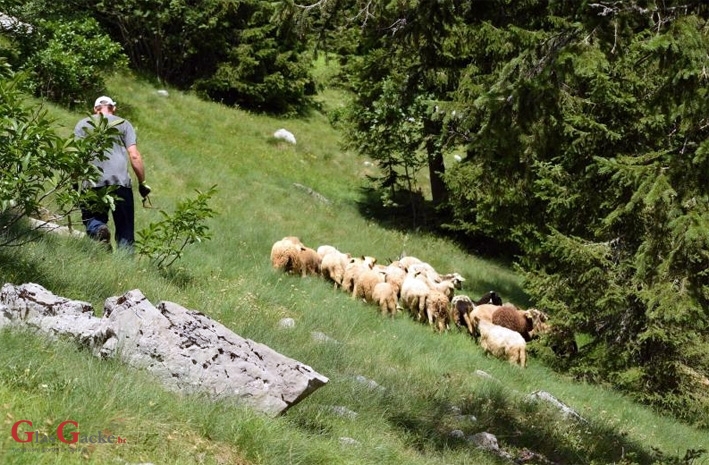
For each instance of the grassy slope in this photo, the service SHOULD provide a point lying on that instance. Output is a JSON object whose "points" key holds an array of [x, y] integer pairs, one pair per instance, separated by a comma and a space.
{"points": [[189, 144]]}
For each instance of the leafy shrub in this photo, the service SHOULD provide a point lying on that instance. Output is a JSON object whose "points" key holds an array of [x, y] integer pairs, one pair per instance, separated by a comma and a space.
{"points": [[68, 60], [275, 82], [37, 165], [164, 241]]}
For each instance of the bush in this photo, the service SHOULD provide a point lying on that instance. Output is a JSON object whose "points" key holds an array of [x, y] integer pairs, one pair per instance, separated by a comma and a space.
{"points": [[36, 165], [68, 60], [164, 241]]}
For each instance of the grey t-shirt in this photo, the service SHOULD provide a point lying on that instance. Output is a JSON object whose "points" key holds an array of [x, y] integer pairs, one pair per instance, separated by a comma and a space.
{"points": [[115, 167]]}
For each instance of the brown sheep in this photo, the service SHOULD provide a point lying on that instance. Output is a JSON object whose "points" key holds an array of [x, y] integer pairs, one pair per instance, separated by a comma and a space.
{"points": [[436, 305], [386, 296], [364, 284], [355, 266], [482, 313], [307, 262], [284, 253], [529, 323]]}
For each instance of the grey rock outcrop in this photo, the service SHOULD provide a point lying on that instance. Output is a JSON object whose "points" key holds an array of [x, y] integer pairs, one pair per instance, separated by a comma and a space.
{"points": [[563, 408], [185, 349], [33, 306]]}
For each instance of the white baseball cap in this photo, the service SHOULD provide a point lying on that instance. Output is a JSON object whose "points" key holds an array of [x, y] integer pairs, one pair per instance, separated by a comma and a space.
{"points": [[104, 100]]}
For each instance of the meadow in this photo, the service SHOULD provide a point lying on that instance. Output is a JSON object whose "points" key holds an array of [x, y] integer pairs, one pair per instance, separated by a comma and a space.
{"points": [[430, 384]]}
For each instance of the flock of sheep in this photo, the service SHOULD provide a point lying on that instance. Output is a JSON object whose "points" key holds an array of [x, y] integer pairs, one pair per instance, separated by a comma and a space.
{"points": [[410, 284]]}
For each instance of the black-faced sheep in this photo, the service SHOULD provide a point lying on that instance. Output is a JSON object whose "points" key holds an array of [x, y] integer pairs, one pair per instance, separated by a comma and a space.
{"points": [[489, 297], [502, 342], [461, 307], [529, 323]]}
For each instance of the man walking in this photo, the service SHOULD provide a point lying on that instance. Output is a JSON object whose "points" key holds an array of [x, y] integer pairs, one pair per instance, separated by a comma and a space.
{"points": [[114, 172]]}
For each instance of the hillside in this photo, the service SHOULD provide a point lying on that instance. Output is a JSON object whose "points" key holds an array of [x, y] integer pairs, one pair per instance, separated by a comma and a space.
{"points": [[430, 383]]}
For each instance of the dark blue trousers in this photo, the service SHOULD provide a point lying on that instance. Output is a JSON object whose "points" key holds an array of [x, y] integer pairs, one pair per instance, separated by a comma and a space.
{"points": [[123, 218]]}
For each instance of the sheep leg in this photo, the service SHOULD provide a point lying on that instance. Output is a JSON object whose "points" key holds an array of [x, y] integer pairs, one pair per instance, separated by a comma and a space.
{"points": [[354, 291], [468, 323]]}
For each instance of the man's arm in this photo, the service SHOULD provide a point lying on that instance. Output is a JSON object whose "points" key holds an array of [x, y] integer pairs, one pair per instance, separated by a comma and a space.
{"points": [[136, 161]]}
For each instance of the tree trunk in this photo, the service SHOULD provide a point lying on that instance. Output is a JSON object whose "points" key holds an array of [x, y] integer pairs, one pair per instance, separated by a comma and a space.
{"points": [[436, 167]]}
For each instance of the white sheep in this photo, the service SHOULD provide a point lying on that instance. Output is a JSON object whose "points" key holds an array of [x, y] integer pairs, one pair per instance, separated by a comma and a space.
{"points": [[446, 284], [407, 261], [455, 278], [284, 134], [482, 312], [421, 267], [502, 342], [326, 249], [333, 266], [413, 294]]}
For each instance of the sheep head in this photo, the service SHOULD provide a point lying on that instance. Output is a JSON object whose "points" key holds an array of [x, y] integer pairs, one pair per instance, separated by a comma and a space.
{"points": [[455, 278], [536, 322]]}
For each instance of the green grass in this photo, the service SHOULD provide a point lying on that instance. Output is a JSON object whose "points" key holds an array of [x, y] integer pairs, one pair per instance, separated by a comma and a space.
{"points": [[427, 380]]}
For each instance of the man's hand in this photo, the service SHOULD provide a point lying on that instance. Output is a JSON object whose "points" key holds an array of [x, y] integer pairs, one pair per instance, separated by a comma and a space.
{"points": [[144, 190]]}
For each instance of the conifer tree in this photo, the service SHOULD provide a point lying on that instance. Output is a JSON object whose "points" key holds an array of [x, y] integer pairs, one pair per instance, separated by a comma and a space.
{"points": [[593, 127]]}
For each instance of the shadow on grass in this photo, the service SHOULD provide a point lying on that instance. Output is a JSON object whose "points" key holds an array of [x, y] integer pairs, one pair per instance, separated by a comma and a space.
{"points": [[177, 276], [527, 432], [20, 271], [408, 211], [20, 268]]}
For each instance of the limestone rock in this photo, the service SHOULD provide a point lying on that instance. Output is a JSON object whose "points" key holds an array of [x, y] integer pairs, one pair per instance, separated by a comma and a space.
{"points": [[194, 353], [567, 411], [185, 349], [33, 306]]}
